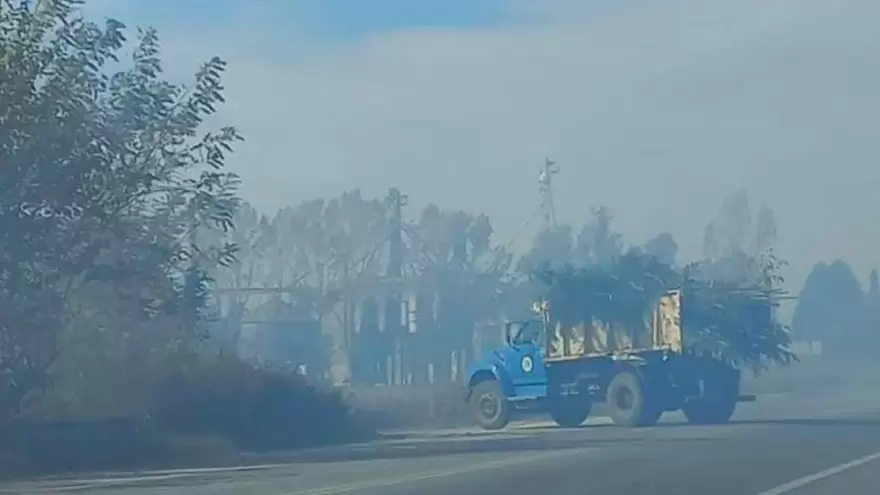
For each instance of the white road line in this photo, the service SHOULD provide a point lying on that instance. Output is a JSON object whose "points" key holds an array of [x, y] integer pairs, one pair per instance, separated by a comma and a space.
{"points": [[146, 476], [206, 470], [811, 478], [416, 477]]}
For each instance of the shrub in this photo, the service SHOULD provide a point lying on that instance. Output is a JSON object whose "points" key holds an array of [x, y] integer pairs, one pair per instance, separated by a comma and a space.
{"points": [[257, 408]]}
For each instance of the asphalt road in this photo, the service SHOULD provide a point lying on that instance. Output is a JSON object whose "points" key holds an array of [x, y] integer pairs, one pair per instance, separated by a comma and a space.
{"points": [[803, 444]]}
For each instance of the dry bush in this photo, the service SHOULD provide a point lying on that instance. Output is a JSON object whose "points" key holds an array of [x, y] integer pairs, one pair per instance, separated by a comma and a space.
{"points": [[256, 408], [206, 414], [32, 447]]}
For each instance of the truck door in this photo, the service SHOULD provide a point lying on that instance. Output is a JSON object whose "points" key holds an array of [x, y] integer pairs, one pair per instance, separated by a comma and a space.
{"points": [[524, 360]]}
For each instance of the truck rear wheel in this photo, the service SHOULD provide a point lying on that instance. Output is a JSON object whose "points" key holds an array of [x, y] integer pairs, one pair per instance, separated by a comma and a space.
{"points": [[718, 398], [628, 401], [489, 405], [570, 412]]}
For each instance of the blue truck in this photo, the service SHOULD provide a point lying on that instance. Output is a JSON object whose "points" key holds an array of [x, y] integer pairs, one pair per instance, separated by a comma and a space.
{"points": [[564, 368]]}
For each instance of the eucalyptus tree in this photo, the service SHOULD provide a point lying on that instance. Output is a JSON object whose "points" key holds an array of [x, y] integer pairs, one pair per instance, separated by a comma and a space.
{"points": [[454, 261]]}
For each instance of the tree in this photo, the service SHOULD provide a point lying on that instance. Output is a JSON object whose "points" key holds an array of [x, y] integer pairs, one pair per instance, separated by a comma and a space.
{"points": [[765, 230], [874, 286], [727, 234], [734, 248], [254, 237], [597, 243], [316, 254], [452, 259], [452, 251], [734, 317], [830, 306], [871, 322], [325, 242], [106, 175], [662, 247], [554, 246]]}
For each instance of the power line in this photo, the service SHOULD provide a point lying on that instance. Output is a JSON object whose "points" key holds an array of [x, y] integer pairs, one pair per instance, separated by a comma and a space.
{"points": [[522, 230]]}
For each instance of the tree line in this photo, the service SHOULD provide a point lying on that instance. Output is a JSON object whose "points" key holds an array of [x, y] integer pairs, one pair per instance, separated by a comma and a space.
{"points": [[323, 247], [834, 309]]}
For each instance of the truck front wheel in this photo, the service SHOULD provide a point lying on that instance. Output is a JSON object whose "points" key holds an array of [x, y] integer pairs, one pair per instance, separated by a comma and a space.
{"points": [[489, 405], [569, 412], [627, 401]]}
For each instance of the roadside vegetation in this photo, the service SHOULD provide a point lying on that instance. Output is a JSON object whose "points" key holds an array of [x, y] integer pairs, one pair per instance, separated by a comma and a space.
{"points": [[108, 171]]}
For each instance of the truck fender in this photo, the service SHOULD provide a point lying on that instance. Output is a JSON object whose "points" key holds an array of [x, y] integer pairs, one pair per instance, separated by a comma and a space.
{"points": [[482, 374]]}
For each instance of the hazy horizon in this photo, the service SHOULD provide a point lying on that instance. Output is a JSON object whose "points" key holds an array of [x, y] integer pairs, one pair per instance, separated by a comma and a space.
{"points": [[657, 111]]}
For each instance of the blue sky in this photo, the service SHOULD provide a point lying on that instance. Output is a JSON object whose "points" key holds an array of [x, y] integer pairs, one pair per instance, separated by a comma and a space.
{"points": [[356, 18], [330, 20]]}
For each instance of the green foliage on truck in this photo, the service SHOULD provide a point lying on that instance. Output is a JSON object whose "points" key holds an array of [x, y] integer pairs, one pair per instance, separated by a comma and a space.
{"points": [[730, 320]]}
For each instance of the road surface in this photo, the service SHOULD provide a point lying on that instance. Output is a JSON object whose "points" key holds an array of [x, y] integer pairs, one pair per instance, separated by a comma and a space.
{"points": [[787, 444]]}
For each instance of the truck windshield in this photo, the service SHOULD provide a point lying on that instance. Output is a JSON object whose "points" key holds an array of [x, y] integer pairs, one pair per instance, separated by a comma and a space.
{"points": [[529, 332]]}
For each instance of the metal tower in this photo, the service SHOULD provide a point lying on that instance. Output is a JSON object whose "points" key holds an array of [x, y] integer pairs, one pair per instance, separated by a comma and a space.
{"points": [[545, 184]]}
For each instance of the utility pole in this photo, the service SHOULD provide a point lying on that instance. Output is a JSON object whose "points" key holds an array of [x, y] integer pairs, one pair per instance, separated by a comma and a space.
{"points": [[396, 202], [545, 185], [394, 319]]}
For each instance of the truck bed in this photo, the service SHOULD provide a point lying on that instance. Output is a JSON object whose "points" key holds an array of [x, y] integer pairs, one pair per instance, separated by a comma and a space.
{"points": [[661, 332]]}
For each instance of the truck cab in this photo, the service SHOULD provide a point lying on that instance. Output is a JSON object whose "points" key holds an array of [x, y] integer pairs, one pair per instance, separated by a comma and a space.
{"points": [[518, 365], [512, 376]]}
